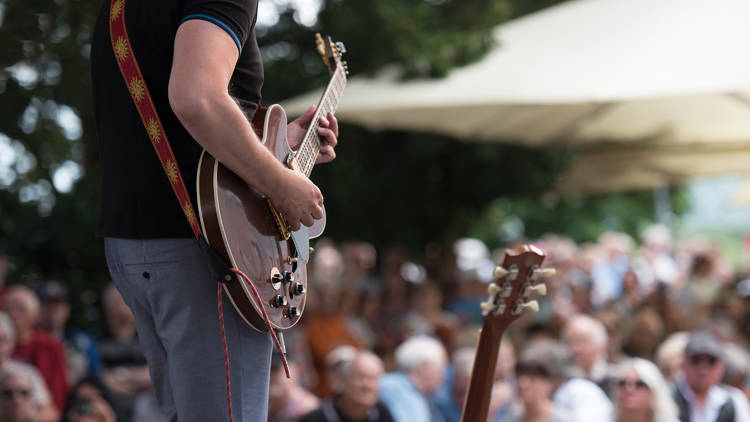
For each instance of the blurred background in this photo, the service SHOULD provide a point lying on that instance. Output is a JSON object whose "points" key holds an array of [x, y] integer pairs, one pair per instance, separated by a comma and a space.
{"points": [[613, 134]]}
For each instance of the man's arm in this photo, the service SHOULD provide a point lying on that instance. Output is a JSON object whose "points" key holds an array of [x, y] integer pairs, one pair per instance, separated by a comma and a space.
{"points": [[204, 60]]}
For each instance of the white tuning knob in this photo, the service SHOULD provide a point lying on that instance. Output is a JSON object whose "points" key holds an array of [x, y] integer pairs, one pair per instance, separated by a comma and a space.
{"points": [[493, 289], [540, 289], [487, 306], [545, 272], [533, 305], [499, 272]]}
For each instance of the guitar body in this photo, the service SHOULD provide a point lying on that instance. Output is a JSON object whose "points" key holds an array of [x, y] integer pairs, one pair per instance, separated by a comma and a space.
{"points": [[245, 229], [241, 227]]}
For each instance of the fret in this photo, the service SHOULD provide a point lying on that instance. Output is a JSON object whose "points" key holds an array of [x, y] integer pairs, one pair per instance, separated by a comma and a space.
{"points": [[310, 147]]}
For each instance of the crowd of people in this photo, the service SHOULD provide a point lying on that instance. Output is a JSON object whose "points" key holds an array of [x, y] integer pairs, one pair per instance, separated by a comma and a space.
{"points": [[656, 331]]}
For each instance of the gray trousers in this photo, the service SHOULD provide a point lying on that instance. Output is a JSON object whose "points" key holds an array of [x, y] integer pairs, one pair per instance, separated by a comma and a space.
{"points": [[167, 285]]}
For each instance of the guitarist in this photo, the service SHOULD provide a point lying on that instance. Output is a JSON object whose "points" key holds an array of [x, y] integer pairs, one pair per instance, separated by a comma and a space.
{"points": [[202, 66]]}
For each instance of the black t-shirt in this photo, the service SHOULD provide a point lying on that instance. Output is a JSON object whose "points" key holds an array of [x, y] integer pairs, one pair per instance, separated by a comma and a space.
{"points": [[137, 199]]}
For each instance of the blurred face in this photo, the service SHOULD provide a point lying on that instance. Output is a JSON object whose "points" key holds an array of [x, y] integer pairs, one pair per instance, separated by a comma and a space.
{"points": [[533, 383], [54, 314], [6, 345], [431, 375], [16, 403], [632, 393], [702, 372], [91, 406], [361, 384], [582, 347], [22, 310]]}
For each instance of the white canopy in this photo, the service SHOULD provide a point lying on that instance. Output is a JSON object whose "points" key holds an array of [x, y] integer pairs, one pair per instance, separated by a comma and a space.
{"points": [[581, 73]]}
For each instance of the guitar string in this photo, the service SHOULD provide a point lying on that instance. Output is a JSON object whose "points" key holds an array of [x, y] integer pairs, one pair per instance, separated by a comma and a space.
{"points": [[310, 148]]}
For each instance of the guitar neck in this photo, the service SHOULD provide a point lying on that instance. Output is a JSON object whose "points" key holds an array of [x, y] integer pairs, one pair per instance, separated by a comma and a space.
{"points": [[476, 405], [310, 146]]}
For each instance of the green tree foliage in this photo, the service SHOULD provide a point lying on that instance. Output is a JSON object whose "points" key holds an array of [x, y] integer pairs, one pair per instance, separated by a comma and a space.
{"points": [[385, 187]]}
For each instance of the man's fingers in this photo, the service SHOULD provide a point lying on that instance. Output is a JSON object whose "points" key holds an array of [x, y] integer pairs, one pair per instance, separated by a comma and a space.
{"points": [[308, 220], [334, 124], [326, 154], [317, 213], [329, 138]]}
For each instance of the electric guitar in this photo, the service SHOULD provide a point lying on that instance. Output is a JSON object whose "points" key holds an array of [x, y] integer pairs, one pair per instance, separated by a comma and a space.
{"points": [[244, 228], [516, 280]]}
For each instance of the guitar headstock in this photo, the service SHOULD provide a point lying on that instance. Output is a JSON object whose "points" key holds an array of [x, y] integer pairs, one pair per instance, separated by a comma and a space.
{"points": [[516, 280], [331, 53]]}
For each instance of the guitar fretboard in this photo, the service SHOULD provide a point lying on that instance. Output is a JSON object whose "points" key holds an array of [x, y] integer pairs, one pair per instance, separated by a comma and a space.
{"points": [[310, 146]]}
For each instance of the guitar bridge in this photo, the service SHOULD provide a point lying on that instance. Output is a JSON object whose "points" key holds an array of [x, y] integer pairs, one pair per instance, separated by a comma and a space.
{"points": [[280, 223]]}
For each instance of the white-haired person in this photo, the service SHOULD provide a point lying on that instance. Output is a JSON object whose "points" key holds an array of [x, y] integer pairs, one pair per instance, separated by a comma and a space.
{"points": [[46, 411], [356, 400], [421, 362], [587, 340], [642, 394], [17, 402]]}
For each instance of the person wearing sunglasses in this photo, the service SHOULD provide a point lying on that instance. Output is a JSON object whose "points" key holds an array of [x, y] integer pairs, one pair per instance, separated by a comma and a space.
{"points": [[642, 394], [16, 401], [698, 394], [535, 383]]}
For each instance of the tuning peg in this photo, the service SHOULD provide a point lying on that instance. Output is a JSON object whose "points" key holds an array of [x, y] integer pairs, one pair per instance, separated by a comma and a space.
{"points": [[341, 47], [532, 304], [499, 272], [544, 272], [487, 306], [540, 289], [493, 289]]}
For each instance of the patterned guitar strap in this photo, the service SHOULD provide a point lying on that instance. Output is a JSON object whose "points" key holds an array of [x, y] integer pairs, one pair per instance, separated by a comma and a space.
{"points": [[141, 97]]}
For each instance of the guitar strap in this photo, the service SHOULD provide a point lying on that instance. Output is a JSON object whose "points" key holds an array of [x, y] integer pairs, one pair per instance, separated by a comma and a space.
{"points": [[139, 93]]}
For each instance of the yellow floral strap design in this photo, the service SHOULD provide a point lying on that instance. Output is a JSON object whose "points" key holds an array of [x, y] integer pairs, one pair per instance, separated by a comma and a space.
{"points": [[133, 78]]}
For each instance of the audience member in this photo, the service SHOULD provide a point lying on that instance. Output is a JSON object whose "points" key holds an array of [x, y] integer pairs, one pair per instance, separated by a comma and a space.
{"points": [[90, 401], [124, 369], [357, 400], [671, 353], [16, 401], [698, 393], [42, 400], [642, 394], [34, 346], [587, 340], [581, 398], [607, 273], [287, 400], [81, 353], [737, 371], [334, 361], [646, 330], [421, 364], [325, 325], [535, 382], [656, 264]]}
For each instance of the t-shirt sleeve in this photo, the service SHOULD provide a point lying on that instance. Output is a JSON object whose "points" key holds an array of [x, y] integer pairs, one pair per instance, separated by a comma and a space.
{"points": [[236, 17]]}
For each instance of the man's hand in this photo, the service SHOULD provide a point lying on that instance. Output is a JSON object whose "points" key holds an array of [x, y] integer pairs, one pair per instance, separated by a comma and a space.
{"points": [[298, 199], [328, 130]]}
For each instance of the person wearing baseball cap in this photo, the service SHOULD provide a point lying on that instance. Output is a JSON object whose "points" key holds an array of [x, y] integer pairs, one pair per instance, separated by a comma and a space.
{"points": [[698, 393]]}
